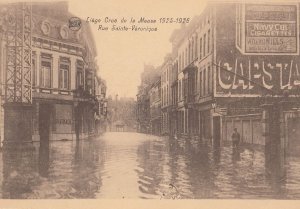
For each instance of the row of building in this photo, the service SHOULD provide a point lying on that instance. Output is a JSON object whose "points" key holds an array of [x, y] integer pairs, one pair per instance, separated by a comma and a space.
{"points": [[67, 94], [233, 66]]}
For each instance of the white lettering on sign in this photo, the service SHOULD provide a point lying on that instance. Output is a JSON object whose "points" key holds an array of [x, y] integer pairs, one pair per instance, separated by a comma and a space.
{"points": [[249, 75]]}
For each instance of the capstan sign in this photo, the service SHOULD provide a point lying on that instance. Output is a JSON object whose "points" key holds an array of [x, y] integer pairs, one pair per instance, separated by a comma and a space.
{"points": [[252, 77]]}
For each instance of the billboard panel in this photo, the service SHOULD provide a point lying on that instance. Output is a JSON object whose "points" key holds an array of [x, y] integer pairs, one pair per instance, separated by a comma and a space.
{"points": [[269, 67], [271, 29]]}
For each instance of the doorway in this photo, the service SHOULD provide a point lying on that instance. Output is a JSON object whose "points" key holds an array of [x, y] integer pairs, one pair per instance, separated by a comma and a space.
{"points": [[44, 122], [217, 130]]}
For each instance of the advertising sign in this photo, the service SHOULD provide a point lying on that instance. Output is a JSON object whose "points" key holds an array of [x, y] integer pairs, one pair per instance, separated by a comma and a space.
{"points": [[268, 62], [271, 29], [254, 76]]}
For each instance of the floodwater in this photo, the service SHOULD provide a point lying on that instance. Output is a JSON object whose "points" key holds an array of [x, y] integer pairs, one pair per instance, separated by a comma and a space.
{"points": [[133, 165]]}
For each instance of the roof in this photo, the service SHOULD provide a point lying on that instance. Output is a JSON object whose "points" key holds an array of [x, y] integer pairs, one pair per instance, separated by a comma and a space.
{"points": [[51, 19]]}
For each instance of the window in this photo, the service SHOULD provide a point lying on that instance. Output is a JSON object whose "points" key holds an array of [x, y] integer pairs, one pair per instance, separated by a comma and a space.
{"points": [[204, 44], [201, 83], [182, 61], [179, 61], [64, 68], [168, 74], [179, 90], [204, 81], [33, 65], [200, 48], [89, 82], [239, 26], [45, 75], [189, 53], [196, 45], [3, 64], [186, 57], [167, 95], [193, 55], [165, 76], [208, 41], [209, 80], [79, 73], [196, 81]]}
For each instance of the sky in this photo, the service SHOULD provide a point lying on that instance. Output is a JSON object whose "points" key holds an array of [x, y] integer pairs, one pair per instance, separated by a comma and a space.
{"points": [[122, 55]]}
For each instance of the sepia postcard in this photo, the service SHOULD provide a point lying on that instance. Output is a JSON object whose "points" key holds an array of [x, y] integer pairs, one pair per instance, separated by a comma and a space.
{"points": [[149, 104]]}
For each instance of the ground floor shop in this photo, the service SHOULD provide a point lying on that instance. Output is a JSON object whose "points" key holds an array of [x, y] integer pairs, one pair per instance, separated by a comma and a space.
{"points": [[165, 121], [194, 121], [258, 122], [62, 120], [156, 126]]}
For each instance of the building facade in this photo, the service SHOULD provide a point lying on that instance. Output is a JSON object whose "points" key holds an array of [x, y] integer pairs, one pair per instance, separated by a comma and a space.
{"points": [[236, 66], [64, 72], [101, 114], [148, 77], [156, 115], [166, 69], [63, 75]]}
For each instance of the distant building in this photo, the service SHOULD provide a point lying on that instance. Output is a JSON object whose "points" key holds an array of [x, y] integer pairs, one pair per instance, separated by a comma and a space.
{"points": [[101, 114], [121, 114], [148, 77]]}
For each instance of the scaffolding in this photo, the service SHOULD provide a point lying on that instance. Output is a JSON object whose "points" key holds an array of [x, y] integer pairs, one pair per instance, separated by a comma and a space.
{"points": [[18, 27]]}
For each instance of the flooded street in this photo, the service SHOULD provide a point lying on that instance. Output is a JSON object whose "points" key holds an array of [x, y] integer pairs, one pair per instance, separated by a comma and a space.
{"points": [[132, 165]]}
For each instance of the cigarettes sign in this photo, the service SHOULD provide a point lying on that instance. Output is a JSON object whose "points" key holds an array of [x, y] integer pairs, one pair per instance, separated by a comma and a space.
{"points": [[271, 29]]}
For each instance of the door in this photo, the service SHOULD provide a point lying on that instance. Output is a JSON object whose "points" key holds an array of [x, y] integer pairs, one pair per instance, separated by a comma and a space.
{"points": [[44, 122], [217, 130], [294, 136]]}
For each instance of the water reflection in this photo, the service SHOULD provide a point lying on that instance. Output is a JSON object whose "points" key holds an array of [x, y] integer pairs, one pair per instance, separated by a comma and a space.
{"points": [[19, 171], [44, 159], [129, 165], [88, 159]]}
